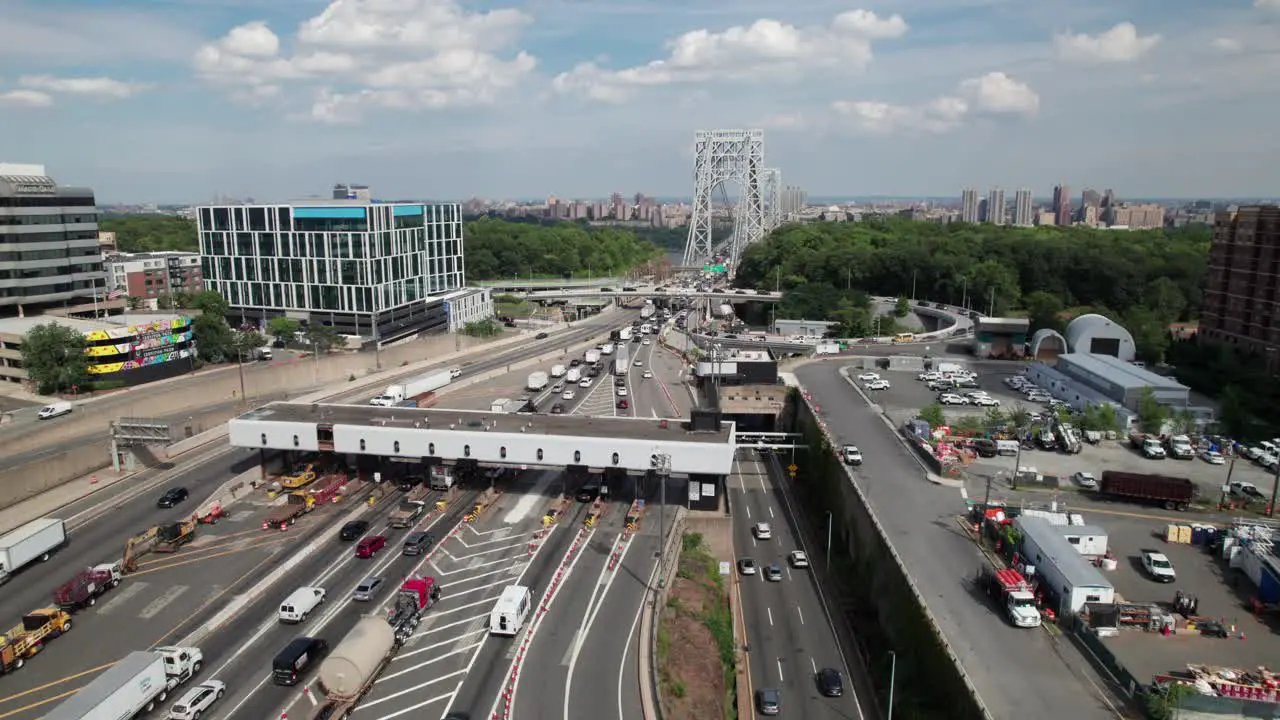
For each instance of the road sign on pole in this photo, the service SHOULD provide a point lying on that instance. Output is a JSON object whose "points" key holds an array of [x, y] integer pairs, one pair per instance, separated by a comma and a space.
{"points": [[792, 468]]}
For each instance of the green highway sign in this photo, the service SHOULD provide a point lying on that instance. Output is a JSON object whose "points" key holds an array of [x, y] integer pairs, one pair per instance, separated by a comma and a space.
{"points": [[713, 268]]}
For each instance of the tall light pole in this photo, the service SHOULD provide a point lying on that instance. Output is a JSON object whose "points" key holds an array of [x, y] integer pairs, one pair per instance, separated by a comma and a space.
{"points": [[913, 284], [660, 462], [828, 530], [893, 676]]}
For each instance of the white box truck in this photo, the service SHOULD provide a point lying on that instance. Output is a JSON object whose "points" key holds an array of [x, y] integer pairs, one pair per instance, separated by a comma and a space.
{"points": [[574, 375], [557, 371], [34, 541], [396, 394], [537, 381], [592, 356], [134, 686]]}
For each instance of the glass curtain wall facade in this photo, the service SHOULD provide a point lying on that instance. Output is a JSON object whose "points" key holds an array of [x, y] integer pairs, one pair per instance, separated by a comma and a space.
{"points": [[335, 264], [49, 254]]}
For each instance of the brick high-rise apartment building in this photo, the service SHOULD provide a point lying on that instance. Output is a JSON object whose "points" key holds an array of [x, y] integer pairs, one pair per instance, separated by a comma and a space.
{"points": [[1062, 204], [1242, 302]]}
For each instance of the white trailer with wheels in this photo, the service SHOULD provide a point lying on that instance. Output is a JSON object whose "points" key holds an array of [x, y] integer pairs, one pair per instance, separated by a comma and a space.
{"points": [[34, 541], [132, 687]]}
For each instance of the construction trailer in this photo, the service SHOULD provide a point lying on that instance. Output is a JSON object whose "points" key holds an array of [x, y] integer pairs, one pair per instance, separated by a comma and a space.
{"points": [[1060, 570]]}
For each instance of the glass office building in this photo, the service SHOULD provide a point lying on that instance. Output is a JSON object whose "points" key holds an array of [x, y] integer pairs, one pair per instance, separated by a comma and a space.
{"points": [[350, 265]]}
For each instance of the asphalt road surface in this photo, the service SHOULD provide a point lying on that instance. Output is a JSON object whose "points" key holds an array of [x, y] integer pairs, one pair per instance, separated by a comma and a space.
{"points": [[1018, 672], [788, 633]]}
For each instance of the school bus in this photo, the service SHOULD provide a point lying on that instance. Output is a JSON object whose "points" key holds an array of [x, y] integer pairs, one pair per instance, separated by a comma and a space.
{"points": [[904, 338]]}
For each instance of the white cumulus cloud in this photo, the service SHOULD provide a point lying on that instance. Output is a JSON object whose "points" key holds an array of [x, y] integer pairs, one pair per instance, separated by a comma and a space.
{"points": [[26, 98], [1120, 44], [356, 54], [745, 52], [992, 94], [1268, 5], [99, 87], [1226, 45]]}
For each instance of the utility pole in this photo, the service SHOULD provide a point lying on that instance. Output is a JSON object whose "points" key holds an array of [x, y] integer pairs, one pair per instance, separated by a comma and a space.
{"points": [[913, 284], [991, 307], [240, 367], [661, 464], [893, 677], [1226, 484], [1275, 485]]}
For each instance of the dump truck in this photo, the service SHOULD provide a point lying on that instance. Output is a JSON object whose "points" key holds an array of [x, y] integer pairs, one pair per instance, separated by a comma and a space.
{"points": [[295, 506], [134, 686], [1013, 593], [1174, 493], [413, 387], [36, 540], [28, 637], [408, 511], [83, 590], [414, 598], [353, 666]]}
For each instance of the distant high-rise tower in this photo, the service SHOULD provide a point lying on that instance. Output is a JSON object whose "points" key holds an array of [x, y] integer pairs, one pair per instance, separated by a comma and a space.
{"points": [[983, 209], [969, 205], [1022, 215], [1090, 198], [1062, 205], [995, 207]]}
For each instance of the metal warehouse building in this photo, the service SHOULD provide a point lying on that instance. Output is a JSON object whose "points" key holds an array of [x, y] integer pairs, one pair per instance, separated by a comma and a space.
{"points": [[1047, 344], [1121, 381], [1097, 335]]}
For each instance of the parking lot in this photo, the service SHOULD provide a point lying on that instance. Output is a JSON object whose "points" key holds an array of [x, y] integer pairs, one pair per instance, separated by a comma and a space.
{"points": [[1223, 594], [472, 566], [906, 396]]}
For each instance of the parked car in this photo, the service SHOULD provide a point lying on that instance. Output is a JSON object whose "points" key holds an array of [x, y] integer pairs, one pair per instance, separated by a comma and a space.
{"points": [[868, 376], [1085, 480], [952, 399], [1158, 566], [1213, 457], [878, 385]]}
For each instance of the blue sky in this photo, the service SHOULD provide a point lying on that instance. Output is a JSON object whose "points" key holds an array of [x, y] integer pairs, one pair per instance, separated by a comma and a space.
{"points": [[179, 100]]}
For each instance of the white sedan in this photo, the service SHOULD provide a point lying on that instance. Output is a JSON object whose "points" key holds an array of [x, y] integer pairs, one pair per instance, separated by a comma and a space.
{"points": [[869, 376], [878, 385], [568, 395], [952, 399], [986, 401], [622, 392], [198, 700], [586, 383], [798, 559], [1213, 457]]}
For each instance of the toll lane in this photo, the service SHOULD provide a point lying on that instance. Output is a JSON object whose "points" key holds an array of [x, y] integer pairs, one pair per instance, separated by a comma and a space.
{"points": [[164, 601], [243, 650]]}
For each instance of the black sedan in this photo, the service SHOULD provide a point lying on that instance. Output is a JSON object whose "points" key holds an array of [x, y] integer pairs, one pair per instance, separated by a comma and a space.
{"points": [[172, 497], [353, 530], [830, 682]]}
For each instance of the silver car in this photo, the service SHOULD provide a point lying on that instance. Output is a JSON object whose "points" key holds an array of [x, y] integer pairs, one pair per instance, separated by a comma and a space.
{"points": [[367, 589]]}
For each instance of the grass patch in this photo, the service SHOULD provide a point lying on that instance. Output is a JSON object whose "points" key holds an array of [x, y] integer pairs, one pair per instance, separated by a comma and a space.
{"points": [[696, 647]]}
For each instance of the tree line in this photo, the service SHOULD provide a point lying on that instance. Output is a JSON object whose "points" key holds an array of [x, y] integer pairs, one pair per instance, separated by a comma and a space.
{"points": [[151, 232], [497, 249], [1143, 279]]}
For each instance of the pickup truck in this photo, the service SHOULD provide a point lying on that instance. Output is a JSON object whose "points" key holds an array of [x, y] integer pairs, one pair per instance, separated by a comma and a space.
{"points": [[851, 455], [1158, 566]]}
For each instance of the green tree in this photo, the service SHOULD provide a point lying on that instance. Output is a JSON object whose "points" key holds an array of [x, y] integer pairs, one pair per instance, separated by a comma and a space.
{"points": [[283, 328], [214, 339], [902, 307], [54, 358], [1151, 414], [487, 327], [245, 343], [994, 418], [324, 338], [1020, 416], [151, 232], [209, 303], [1150, 334], [1044, 310], [498, 249], [1233, 414], [933, 415]]}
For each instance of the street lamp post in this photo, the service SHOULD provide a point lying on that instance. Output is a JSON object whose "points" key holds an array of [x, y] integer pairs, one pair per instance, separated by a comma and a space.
{"points": [[240, 368], [893, 676], [914, 273], [661, 464], [828, 561]]}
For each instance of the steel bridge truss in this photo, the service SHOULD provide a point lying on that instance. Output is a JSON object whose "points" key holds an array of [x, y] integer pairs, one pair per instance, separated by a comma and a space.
{"points": [[722, 156]]}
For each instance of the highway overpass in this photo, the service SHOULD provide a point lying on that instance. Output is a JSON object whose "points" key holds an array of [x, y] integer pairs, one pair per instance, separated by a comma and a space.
{"points": [[736, 296]]}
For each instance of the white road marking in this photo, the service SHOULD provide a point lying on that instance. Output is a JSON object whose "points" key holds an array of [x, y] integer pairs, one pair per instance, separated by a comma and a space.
{"points": [[529, 499], [748, 507], [446, 627], [402, 655], [500, 583], [406, 691], [770, 613], [448, 573], [800, 614], [781, 681], [512, 546], [157, 606], [422, 704], [771, 515], [122, 597], [482, 543], [814, 663], [626, 648], [432, 661]]}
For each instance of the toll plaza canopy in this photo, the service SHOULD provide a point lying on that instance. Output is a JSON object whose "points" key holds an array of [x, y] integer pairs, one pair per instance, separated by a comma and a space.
{"points": [[487, 437]]}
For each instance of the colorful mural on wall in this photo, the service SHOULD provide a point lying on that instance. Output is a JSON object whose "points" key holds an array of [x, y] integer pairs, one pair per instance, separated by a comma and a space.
{"points": [[132, 331], [107, 368], [144, 344], [141, 345]]}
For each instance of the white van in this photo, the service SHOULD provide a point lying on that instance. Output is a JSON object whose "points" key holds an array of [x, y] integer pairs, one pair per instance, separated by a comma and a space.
{"points": [[509, 615], [1007, 447], [300, 603], [52, 411]]}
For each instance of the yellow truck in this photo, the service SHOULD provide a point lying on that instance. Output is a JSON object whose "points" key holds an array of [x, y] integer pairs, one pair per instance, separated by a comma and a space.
{"points": [[27, 638]]}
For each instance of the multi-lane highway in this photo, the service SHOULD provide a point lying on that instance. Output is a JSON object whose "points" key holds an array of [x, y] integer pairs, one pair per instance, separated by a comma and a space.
{"points": [[1018, 673], [788, 630], [204, 595]]}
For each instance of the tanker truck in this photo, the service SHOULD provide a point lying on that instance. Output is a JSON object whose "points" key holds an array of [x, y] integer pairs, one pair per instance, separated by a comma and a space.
{"points": [[355, 664]]}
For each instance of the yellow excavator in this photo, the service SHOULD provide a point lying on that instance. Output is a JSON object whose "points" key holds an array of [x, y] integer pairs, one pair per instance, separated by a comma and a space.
{"points": [[300, 479], [165, 538]]}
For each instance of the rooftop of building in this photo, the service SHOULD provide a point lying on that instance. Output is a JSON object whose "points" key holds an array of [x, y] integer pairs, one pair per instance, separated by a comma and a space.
{"points": [[740, 355], [1005, 324], [154, 255], [23, 325], [1120, 373], [751, 398], [24, 179], [310, 202], [481, 421], [461, 293]]}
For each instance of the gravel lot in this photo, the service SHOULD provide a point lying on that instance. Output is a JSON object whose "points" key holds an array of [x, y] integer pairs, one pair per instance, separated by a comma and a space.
{"points": [[907, 395]]}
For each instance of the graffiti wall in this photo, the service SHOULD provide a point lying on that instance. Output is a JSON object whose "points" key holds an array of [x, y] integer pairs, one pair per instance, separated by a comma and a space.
{"points": [[137, 346]]}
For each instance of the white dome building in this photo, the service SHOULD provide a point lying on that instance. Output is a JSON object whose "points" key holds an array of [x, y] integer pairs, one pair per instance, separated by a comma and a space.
{"points": [[1097, 335]]}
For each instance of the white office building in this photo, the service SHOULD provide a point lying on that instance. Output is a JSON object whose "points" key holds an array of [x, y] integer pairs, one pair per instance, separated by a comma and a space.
{"points": [[467, 306], [374, 270]]}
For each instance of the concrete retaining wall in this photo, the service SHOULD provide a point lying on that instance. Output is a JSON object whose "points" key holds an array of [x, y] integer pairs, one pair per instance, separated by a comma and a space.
{"points": [[882, 602]]}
